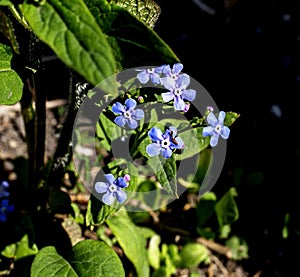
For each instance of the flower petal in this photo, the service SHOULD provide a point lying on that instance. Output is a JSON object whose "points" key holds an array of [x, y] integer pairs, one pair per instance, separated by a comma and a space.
{"points": [[168, 83], [183, 81], [108, 198], [2, 217], [138, 114], [155, 78], [118, 108], [101, 187], [207, 131], [120, 120], [214, 140], [225, 132], [143, 77], [160, 69], [167, 96], [121, 195], [110, 178], [153, 149], [177, 67], [167, 153], [179, 104], [155, 134], [10, 208], [4, 184], [130, 104], [221, 117], [179, 145], [212, 120], [120, 182], [167, 70], [132, 123], [173, 129], [189, 94]]}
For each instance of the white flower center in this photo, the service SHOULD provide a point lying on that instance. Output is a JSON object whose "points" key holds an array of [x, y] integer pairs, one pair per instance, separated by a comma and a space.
{"points": [[112, 188], [150, 71], [218, 128], [165, 143], [177, 92], [127, 114]]}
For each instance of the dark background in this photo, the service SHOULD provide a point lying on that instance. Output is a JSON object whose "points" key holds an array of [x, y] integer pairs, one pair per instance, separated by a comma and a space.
{"points": [[247, 55]]}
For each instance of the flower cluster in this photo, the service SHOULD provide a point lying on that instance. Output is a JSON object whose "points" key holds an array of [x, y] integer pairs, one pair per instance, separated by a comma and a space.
{"points": [[162, 142], [5, 207], [173, 81], [113, 188]]}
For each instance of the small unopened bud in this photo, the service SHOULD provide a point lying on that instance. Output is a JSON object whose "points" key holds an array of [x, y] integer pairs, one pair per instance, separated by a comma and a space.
{"points": [[210, 109], [141, 99], [126, 178], [186, 107]]}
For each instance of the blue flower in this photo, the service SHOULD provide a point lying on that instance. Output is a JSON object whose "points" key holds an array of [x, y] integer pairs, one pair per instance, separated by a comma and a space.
{"points": [[4, 209], [3, 186], [127, 113], [112, 189], [177, 91], [164, 143], [216, 128], [152, 74], [174, 71]]}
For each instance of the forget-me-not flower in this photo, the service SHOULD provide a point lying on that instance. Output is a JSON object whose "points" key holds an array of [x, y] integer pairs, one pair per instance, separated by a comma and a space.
{"points": [[3, 186], [177, 91], [174, 71], [163, 143], [152, 74], [5, 208], [112, 189], [216, 128], [127, 113]]}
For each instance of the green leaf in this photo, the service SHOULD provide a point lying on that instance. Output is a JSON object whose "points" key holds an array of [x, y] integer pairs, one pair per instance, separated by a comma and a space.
{"points": [[134, 44], [146, 11], [230, 118], [194, 143], [88, 258], [48, 263], [226, 208], [205, 208], [238, 247], [165, 171], [95, 258], [131, 241], [154, 252], [11, 85], [71, 31], [6, 3], [20, 249], [193, 254]]}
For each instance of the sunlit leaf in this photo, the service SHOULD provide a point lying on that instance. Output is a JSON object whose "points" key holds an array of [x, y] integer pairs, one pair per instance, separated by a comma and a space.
{"points": [[11, 85], [131, 241], [146, 11], [134, 44], [71, 31], [88, 258]]}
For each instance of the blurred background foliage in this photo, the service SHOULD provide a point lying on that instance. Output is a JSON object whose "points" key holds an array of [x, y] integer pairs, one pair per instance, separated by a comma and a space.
{"points": [[246, 54]]}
